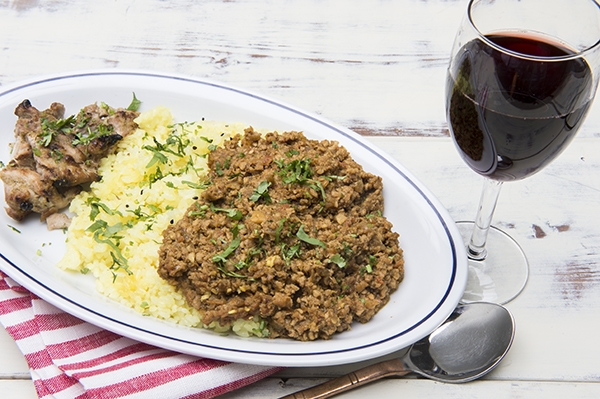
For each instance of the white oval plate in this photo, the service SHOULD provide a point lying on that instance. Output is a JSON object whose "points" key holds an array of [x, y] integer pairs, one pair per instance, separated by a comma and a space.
{"points": [[435, 259]]}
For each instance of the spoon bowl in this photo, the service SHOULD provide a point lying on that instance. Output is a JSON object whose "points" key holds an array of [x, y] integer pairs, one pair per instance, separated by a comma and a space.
{"points": [[468, 345]]}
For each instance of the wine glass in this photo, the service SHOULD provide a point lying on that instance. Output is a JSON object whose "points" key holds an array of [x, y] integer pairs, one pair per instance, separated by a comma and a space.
{"points": [[521, 79]]}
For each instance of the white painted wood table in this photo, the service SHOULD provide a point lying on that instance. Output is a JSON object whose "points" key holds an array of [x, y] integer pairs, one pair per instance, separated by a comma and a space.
{"points": [[377, 67]]}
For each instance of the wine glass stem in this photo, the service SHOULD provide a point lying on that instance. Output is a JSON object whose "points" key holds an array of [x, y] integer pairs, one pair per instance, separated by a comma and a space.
{"points": [[483, 220]]}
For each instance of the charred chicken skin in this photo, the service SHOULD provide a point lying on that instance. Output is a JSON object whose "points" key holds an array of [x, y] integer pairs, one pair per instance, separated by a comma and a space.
{"points": [[53, 157]]}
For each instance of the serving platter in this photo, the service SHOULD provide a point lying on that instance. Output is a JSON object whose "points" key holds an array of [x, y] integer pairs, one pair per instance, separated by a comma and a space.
{"points": [[435, 259]]}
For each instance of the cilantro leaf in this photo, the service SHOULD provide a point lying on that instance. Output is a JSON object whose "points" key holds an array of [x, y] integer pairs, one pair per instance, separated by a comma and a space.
{"points": [[301, 234], [338, 260], [261, 192], [222, 257], [135, 104]]}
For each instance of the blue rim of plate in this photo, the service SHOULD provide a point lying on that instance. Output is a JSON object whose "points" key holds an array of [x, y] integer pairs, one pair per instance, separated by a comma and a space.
{"points": [[44, 289]]}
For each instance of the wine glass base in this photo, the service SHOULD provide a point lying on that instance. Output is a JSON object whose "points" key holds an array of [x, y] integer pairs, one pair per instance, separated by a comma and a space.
{"points": [[502, 275]]}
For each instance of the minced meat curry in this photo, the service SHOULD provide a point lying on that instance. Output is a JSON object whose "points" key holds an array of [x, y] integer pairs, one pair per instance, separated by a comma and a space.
{"points": [[288, 230]]}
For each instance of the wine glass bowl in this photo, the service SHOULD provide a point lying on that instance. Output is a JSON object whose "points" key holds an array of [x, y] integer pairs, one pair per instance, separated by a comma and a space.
{"points": [[516, 99], [521, 80]]}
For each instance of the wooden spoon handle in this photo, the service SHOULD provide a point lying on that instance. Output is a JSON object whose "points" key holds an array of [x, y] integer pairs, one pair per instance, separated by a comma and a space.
{"points": [[349, 381]]}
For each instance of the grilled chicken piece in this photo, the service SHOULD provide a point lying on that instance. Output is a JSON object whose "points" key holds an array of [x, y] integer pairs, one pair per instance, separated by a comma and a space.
{"points": [[53, 156], [58, 221], [26, 192]]}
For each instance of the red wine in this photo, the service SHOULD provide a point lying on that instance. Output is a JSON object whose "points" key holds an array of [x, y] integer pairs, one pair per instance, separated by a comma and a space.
{"points": [[511, 115]]}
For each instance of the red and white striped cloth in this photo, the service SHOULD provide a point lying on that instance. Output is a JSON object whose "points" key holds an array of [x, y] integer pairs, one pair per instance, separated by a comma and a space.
{"points": [[69, 358]]}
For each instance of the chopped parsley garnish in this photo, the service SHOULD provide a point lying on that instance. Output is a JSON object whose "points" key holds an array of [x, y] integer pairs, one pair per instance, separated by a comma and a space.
{"points": [[373, 215], [198, 186], [287, 253], [178, 146], [174, 145], [262, 330], [142, 216], [95, 206], [157, 155], [107, 234], [50, 128], [230, 273], [135, 104], [233, 245], [296, 171], [14, 229], [299, 171], [261, 192], [234, 214], [279, 230], [89, 134], [338, 260], [199, 211], [57, 155], [369, 267], [301, 234]]}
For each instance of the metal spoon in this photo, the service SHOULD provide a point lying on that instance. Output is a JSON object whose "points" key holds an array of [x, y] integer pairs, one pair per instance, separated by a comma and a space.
{"points": [[468, 345]]}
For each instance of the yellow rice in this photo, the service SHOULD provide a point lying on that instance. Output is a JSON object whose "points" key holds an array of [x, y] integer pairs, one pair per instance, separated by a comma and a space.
{"points": [[126, 195]]}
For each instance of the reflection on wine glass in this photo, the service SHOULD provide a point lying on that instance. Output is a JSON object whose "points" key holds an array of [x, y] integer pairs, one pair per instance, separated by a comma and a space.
{"points": [[522, 77]]}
